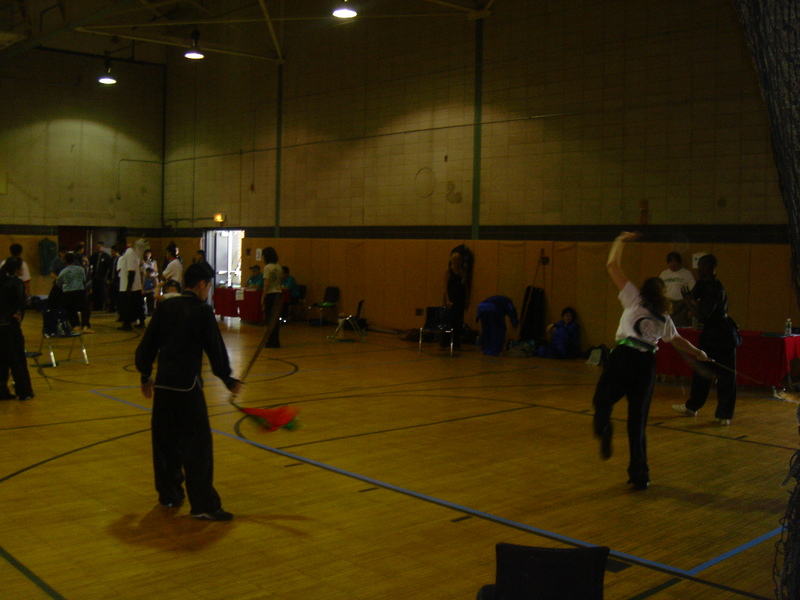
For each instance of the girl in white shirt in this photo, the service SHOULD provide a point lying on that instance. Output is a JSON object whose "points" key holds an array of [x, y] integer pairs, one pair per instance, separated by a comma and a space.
{"points": [[631, 367]]}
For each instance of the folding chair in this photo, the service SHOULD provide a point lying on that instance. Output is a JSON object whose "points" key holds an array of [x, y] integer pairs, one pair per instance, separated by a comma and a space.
{"points": [[329, 301], [529, 573], [56, 326], [437, 321], [351, 320]]}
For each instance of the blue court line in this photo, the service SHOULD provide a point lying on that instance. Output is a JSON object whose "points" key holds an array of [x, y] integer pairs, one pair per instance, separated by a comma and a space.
{"points": [[735, 551], [484, 515]]}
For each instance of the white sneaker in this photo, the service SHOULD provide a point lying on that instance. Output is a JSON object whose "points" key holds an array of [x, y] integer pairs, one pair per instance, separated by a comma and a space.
{"points": [[725, 422], [681, 408]]}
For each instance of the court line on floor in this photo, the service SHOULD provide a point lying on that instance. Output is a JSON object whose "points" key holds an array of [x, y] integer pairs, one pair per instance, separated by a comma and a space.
{"points": [[682, 573], [30, 575]]}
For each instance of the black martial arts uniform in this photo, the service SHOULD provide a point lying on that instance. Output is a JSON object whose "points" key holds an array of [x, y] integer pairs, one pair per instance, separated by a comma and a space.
{"points": [[719, 340], [12, 342], [182, 329]]}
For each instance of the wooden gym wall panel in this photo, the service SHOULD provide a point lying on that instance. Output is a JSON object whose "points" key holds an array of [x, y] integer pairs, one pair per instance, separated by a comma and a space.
{"points": [[511, 271], [771, 297], [561, 272], [412, 295], [437, 253], [391, 278], [337, 272], [354, 282], [318, 280], [374, 292], [591, 297]]}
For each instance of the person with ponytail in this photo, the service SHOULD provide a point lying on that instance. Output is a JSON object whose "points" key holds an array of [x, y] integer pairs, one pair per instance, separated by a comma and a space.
{"points": [[631, 367]]}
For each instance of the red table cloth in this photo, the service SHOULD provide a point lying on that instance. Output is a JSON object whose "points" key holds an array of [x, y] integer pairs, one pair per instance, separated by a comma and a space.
{"points": [[762, 359]]}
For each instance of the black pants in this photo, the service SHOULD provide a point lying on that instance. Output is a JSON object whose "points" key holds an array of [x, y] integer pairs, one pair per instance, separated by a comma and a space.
{"points": [[131, 307], [12, 359], [182, 445], [628, 372], [269, 303], [99, 294], [718, 344], [75, 302]]}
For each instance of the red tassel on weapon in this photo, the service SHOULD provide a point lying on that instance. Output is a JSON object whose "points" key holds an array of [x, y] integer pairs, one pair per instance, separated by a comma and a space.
{"points": [[272, 419]]}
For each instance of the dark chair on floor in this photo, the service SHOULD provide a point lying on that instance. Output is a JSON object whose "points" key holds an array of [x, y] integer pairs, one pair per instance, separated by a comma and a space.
{"points": [[351, 321], [530, 573], [296, 305], [437, 322], [56, 326], [329, 301]]}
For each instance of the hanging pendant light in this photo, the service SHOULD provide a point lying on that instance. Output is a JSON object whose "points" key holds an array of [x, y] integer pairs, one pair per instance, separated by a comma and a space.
{"points": [[344, 10], [194, 52], [107, 78]]}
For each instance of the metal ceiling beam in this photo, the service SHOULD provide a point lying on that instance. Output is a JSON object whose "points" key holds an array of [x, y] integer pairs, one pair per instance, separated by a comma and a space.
{"points": [[165, 40], [34, 41], [271, 29]]}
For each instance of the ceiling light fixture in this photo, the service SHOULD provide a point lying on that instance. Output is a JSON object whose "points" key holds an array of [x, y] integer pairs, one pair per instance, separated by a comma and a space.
{"points": [[344, 10], [107, 78], [194, 52]]}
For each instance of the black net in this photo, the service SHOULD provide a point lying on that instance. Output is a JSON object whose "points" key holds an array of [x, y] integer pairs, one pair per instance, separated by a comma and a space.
{"points": [[772, 29], [786, 569]]}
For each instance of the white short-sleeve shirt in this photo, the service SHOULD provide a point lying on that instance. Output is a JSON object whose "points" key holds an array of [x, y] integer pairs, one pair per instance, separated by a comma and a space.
{"points": [[639, 322]]}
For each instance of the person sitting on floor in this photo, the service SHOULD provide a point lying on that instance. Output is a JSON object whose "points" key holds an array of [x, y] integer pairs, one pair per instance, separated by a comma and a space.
{"points": [[565, 337]]}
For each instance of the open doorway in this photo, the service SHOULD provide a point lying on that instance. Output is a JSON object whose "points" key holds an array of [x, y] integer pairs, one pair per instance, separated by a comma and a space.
{"points": [[224, 250]]}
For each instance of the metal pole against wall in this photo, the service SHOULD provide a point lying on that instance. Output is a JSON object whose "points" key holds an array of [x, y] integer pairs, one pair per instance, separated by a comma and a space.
{"points": [[477, 131], [278, 156]]}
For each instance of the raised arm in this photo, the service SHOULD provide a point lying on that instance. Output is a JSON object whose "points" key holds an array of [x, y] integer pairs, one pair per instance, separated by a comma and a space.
{"points": [[614, 262]]}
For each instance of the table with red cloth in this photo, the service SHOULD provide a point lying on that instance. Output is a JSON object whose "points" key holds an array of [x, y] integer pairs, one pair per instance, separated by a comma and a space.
{"points": [[225, 302], [762, 359], [250, 306]]}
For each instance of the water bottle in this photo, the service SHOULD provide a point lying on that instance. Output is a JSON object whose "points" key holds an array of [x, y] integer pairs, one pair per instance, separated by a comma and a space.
{"points": [[788, 329]]}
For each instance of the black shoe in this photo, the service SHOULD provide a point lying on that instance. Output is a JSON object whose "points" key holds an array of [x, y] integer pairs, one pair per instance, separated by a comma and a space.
{"points": [[606, 448], [8, 396], [639, 485], [174, 504], [214, 515], [28, 397], [125, 328], [141, 325]]}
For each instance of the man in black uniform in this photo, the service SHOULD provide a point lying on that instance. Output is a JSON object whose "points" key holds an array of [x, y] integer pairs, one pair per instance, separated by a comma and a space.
{"points": [[12, 342], [100, 263], [719, 338], [183, 328]]}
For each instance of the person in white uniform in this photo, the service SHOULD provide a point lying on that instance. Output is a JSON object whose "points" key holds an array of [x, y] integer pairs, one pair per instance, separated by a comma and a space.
{"points": [[631, 367], [675, 278]]}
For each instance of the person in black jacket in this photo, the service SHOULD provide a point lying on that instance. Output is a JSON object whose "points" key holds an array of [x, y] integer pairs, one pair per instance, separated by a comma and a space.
{"points": [[12, 342], [182, 328], [719, 338]]}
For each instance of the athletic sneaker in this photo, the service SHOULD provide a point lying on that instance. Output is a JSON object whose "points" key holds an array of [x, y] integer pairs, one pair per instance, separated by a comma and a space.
{"points": [[725, 422], [215, 515], [686, 412], [176, 504]]}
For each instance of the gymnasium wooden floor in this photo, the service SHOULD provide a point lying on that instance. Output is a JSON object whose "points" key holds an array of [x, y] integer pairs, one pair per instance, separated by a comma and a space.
{"points": [[405, 474]]}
